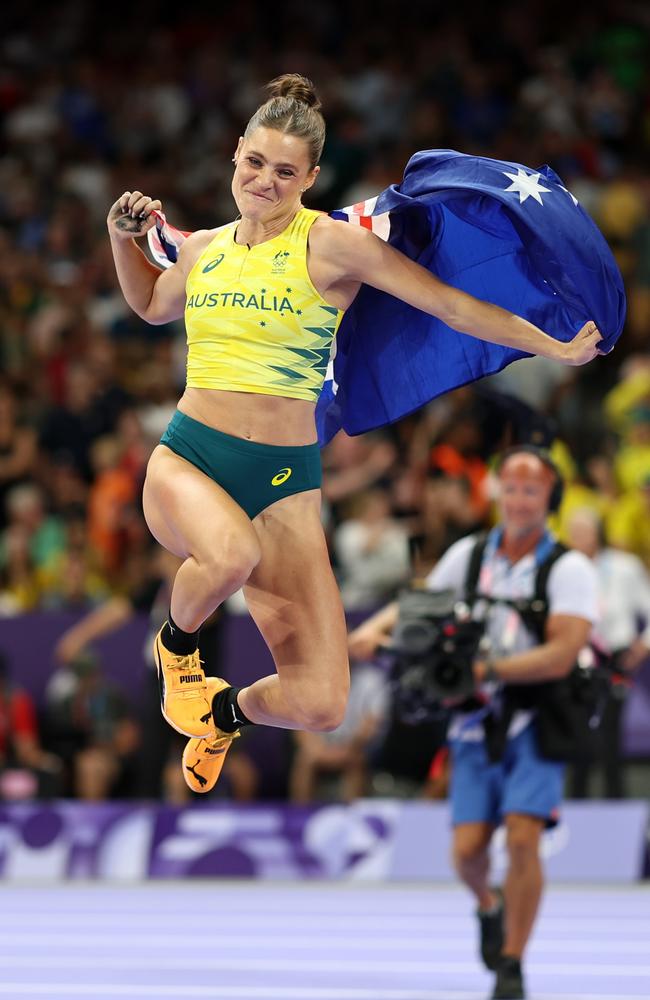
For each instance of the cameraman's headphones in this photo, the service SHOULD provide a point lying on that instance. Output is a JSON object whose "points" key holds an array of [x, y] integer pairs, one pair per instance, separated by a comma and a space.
{"points": [[557, 490]]}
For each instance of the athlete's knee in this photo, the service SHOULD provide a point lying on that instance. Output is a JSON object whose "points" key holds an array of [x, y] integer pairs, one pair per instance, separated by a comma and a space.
{"points": [[230, 561], [324, 714]]}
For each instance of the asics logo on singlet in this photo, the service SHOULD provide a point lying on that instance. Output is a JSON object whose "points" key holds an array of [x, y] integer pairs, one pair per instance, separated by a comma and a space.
{"points": [[281, 477], [210, 266], [191, 678]]}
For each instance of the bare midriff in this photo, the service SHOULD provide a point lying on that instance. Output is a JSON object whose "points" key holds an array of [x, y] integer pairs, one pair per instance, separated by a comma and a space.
{"points": [[252, 416]]}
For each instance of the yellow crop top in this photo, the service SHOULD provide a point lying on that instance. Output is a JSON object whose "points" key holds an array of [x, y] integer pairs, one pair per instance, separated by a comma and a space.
{"points": [[255, 322]]}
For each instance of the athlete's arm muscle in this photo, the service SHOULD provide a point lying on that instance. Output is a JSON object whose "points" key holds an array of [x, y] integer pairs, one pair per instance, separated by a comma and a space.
{"points": [[157, 296], [357, 254]]}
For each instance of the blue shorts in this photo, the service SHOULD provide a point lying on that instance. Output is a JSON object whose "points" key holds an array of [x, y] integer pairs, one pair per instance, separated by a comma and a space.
{"points": [[523, 782]]}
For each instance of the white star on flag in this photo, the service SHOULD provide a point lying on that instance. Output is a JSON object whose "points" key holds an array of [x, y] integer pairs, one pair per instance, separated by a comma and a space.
{"points": [[526, 185]]}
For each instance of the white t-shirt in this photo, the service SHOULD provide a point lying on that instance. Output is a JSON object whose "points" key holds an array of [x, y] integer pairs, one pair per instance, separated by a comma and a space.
{"points": [[624, 599], [571, 590]]}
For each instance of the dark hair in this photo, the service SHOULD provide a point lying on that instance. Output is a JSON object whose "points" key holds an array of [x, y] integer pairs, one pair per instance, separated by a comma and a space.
{"points": [[292, 107], [557, 490]]}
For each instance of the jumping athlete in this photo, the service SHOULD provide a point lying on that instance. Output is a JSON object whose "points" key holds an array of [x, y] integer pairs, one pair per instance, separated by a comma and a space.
{"points": [[233, 489]]}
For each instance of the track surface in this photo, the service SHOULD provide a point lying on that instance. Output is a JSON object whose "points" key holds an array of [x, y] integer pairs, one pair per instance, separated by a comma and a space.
{"points": [[262, 941]]}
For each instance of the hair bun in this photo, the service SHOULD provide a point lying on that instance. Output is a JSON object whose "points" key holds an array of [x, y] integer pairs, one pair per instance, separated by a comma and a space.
{"points": [[294, 86]]}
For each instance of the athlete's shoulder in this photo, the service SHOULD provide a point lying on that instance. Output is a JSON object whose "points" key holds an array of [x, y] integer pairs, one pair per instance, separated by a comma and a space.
{"points": [[196, 243], [332, 238], [326, 228]]}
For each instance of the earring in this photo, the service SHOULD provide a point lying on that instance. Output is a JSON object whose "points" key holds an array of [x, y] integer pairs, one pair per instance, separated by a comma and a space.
{"points": [[234, 159]]}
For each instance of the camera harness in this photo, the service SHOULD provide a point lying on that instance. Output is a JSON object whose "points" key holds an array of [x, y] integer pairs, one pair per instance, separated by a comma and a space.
{"points": [[533, 612]]}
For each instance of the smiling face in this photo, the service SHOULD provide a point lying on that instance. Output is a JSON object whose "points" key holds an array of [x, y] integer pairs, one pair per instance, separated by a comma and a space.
{"points": [[272, 171], [525, 484]]}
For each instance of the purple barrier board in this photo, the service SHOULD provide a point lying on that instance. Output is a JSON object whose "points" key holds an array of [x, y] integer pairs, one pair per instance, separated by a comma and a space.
{"points": [[370, 840], [29, 640]]}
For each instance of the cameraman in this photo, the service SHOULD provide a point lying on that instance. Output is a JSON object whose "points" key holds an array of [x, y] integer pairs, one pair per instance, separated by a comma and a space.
{"points": [[521, 789]]}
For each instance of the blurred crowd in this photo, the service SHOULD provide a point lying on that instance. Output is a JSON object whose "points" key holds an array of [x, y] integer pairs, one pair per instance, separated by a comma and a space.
{"points": [[95, 101]]}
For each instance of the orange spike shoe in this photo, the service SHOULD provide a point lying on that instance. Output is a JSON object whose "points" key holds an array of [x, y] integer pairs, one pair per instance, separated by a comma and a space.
{"points": [[184, 698], [203, 759]]}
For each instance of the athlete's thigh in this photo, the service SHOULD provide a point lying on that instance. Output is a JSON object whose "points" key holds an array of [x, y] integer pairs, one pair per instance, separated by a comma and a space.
{"points": [[292, 594], [188, 513]]}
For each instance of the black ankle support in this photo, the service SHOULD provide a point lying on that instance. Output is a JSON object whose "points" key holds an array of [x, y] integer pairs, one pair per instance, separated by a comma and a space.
{"points": [[176, 641], [226, 712]]}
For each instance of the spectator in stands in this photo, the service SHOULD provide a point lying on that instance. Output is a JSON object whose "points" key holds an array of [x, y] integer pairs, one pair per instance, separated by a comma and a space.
{"points": [[69, 429], [30, 545], [26, 770], [352, 464], [17, 447], [372, 551], [75, 580], [447, 514], [92, 728], [627, 522], [623, 629], [112, 492]]}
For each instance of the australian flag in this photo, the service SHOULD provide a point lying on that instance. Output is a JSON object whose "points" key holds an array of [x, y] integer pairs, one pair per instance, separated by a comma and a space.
{"points": [[506, 234]]}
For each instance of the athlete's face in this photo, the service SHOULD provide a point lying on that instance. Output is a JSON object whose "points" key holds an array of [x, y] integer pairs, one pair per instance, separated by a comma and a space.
{"points": [[272, 170], [525, 489]]}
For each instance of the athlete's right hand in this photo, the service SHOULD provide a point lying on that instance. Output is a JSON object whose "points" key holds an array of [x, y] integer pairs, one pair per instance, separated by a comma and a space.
{"points": [[130, 217]]}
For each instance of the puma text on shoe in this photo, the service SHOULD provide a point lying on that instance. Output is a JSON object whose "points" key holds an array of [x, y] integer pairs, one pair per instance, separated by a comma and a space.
{"points": [[184, 697]]}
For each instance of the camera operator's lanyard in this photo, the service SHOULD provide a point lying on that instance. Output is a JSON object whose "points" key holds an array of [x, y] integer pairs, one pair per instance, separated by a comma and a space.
{"points": [[494, 576]]}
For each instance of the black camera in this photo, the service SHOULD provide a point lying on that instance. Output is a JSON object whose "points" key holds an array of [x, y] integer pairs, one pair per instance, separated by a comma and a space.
{"points": [[433, 647]]}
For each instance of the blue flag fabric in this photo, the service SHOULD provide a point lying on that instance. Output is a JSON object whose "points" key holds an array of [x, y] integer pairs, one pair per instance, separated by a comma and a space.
{"points": [[498, 230], [506, 234]]}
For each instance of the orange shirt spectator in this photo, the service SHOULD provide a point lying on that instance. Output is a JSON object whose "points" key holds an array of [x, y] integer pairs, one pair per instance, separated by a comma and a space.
{"points": [[458, 466], [111, 493]]}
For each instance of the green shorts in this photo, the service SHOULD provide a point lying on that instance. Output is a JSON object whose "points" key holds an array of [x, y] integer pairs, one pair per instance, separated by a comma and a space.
{"points": [[254, 475]]}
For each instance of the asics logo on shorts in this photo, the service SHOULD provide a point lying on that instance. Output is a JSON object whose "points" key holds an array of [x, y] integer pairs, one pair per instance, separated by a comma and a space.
{"points": [[281, 477], [191, 678]]}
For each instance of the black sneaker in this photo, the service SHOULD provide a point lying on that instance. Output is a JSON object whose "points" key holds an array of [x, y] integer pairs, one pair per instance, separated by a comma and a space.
{"points": [[509, 984], [491, 924]]}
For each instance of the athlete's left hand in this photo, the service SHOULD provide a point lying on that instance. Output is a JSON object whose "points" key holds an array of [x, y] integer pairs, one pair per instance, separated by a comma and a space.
{"points": [[584, 346]]}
